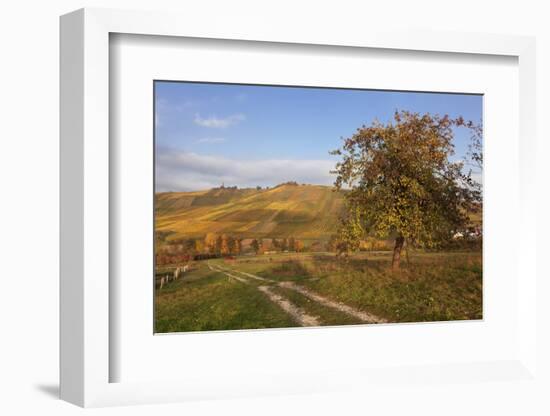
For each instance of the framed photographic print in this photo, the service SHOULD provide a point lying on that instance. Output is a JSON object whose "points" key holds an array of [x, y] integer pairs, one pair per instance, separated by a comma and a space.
{"points": [[271, 212]]}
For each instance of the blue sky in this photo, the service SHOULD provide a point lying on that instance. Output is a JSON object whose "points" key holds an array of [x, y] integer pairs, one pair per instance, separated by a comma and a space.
{"points": [[245, 135]]}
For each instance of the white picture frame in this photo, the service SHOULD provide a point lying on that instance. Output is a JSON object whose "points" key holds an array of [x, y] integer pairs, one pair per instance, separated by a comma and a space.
{"points": [[85, 208]]}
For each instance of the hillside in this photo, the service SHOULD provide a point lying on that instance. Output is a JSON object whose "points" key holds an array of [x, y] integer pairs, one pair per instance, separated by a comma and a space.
{"points": [[301, 211]]}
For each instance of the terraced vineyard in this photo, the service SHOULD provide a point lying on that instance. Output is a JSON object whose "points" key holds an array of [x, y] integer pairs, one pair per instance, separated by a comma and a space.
{"points": [[304, 211]]}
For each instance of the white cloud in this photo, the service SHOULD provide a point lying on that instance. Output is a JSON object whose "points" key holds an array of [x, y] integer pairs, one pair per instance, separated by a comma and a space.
{"points": [[182, 171], [211, 140], [478, 177], [219, 123]]}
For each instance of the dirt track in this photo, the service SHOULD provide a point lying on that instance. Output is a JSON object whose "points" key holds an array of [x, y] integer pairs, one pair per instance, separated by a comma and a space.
{"points": [[342, 307], [296, 312]]}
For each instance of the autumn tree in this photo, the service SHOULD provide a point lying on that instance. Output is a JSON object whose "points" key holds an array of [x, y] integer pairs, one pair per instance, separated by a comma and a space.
{"points": [[291, 244], [350, 232], [211, 243], [224, 246], [401, 182], [232, 245], [189, 246], [255, 244], [475, 148], [330, 245], [199, 246], [284, 244]]}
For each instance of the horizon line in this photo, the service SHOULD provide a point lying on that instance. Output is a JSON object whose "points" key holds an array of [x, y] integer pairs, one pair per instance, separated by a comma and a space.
{"points": [[258, 187]]}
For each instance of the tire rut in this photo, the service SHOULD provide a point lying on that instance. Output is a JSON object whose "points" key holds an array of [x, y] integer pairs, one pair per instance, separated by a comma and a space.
{"points": [[294, 311], [365, 317]]}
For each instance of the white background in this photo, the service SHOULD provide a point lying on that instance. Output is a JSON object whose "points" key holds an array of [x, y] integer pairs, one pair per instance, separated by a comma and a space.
{"points": [[29, 209], [137, 60]]}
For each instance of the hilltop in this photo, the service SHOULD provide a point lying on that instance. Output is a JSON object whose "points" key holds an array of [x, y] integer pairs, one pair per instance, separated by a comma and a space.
{"points": [[302, 211]]}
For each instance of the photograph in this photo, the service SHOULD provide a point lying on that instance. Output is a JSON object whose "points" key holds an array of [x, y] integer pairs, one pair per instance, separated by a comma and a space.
{"points": [[301, 206]]}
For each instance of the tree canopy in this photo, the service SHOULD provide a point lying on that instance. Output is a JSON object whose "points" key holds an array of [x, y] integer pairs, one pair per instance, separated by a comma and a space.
{"points": [[401, 182]]}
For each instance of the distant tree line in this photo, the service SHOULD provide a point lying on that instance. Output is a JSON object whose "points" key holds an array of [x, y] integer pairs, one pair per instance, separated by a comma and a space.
{"points": [[224, 244], [258, 187], [215, 245], [289, 183], [212, 246], [290, 244]]}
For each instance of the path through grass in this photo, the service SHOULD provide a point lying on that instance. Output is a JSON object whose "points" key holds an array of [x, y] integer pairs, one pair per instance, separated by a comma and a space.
{"points": [[434, 287]]}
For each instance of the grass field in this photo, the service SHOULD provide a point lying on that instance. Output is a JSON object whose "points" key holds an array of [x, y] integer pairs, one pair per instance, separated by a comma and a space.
{"points": [[288, 289]]}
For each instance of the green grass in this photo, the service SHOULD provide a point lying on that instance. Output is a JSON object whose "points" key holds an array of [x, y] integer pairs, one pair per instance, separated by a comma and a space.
{"points": [[328, 316], [433, 287], [211, 301]]}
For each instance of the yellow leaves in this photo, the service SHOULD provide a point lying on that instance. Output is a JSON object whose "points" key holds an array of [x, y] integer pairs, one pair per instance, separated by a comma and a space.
{"points": [[406, 180]]}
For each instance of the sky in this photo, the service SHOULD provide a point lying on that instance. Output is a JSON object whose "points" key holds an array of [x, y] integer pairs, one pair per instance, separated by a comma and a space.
{"points": [[251, 135]]}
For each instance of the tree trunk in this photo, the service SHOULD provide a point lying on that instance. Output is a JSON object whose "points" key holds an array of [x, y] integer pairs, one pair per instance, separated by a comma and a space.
{"points": [[407, 251], [397, 252]]}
